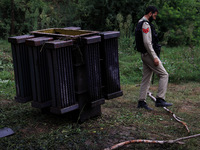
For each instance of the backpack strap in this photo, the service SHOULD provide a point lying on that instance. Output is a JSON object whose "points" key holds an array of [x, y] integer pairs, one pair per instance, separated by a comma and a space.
{"points": [[139, 38]]}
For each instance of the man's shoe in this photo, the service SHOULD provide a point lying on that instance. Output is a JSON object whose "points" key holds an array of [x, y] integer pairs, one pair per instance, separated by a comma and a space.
{"points": [[162, 103], [143, 104]]}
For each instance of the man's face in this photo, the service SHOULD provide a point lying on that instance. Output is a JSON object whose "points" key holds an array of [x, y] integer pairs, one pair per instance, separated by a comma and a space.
{"points": [[154, 15]]}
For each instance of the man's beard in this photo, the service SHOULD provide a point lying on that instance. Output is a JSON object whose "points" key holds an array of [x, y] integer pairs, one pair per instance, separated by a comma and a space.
{"points": [[151, 19]]}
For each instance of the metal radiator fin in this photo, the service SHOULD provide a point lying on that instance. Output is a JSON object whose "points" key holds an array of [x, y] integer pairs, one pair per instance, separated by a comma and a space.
{"points": [[39, 72], [92, 61], [61, 76], [110, 64], [21, 68]]}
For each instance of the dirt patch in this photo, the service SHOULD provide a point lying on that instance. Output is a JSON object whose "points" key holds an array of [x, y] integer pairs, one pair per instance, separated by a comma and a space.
{"points": [[195, 91], [159, 136], [5, 102], [120, 134], [178, 88], [187, 106], [34, 130], [107, 111], [153, 88], [198, 104], [165, 123]]}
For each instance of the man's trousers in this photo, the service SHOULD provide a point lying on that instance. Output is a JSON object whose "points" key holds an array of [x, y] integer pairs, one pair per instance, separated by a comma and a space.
{"points": [[148, 69]]}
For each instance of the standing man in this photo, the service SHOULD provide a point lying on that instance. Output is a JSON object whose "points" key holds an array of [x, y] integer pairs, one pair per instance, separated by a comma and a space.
{"points": [[147, 44]]}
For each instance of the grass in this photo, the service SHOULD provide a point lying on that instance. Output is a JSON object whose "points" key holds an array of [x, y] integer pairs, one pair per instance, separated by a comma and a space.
{"points": [[7, 85], [182, 63], [120, 119]]}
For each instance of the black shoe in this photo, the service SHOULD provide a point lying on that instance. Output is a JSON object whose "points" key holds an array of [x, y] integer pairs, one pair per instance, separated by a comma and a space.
{"points": [[143, 104], [162, 103]]}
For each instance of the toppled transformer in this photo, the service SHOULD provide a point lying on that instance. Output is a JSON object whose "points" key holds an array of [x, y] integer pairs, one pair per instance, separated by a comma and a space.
{"points": [[67, 70]]}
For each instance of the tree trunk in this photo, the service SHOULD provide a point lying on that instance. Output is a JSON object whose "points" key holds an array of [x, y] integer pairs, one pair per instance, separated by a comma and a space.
{"points": [[12, 27]]}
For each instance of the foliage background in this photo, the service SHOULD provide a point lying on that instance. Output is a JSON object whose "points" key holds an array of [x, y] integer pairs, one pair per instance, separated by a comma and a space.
{"points": [[177, 25], [178, 20]]}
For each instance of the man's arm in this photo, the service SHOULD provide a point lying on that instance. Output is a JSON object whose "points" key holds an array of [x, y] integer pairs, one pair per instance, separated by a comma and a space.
{"points": [[147, 39]]}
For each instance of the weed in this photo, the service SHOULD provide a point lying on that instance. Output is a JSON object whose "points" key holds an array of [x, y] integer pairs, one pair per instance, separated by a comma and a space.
{"points": [[121, 120]]}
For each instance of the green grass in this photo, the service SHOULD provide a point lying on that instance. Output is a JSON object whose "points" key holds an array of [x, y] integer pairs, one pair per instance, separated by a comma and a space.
{"points": [[120, 119], [182, 63], [7, 85]]}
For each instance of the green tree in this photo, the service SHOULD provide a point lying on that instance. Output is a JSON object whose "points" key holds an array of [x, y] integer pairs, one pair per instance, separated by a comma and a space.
{"points": [[178, 21]]}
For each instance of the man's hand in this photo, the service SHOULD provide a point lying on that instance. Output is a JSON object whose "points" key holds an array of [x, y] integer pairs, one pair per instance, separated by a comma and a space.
{"points": [[156, 61]]}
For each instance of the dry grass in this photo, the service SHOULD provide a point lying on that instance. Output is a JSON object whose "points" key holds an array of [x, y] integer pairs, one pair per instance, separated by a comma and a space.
{"points": [[120, 121]]}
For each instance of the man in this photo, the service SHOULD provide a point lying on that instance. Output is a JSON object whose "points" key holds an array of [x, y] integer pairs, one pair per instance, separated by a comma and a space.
{"points": [[150, 49]]}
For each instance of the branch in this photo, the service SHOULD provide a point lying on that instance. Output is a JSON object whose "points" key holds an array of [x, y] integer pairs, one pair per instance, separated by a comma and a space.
{"points": [[175, 117], [177, 141]]}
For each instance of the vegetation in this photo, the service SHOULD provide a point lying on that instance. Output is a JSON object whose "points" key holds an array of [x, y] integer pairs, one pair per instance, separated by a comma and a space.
{"points": [[178, 20], [120, 119], [182, 64]]}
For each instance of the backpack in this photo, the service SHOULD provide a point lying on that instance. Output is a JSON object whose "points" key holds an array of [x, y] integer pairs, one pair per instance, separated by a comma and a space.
{"points": [[138, 37]]}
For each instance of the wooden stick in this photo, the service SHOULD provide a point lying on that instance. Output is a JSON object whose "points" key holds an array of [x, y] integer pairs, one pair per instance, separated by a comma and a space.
{"points": [[175, 117], [177, 141]]}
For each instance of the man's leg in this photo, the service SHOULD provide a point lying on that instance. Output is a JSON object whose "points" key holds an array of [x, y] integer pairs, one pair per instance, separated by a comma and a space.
{"points": [[145, 84], [144, 87], [163, 80]]}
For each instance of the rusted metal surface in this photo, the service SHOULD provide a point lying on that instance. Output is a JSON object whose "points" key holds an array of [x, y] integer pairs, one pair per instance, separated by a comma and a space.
{"points": [[58, 44], [39, 41], [92, 39], [110, 64], [59, 56], [64, 33], [70, 70], [93, 69], [110, 34], [73, 28], [19, 39], [39, 72], [21, 68]]}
